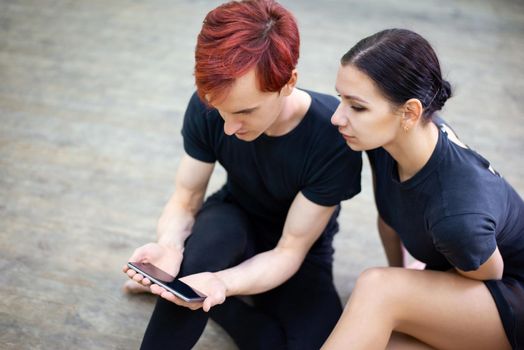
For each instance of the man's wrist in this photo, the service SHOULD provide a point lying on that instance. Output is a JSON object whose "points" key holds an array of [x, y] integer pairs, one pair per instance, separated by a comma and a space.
{"points": [[171, 243], [225, 277]]}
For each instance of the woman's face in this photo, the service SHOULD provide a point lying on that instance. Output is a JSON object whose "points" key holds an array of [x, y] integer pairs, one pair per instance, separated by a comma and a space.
{"points": [[364, 117]]}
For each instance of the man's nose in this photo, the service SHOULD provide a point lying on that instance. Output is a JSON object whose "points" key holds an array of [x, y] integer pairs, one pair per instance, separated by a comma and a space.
{"points": [[232, 127]]}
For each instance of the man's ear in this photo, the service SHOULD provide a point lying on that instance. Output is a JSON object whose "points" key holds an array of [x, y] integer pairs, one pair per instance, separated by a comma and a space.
{"points": [[290, 85], [412, 113]]}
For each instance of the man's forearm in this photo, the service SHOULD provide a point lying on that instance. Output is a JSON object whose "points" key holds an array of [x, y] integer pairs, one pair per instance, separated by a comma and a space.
{"points": [[175, 223], [262, 272], [177, 219]]}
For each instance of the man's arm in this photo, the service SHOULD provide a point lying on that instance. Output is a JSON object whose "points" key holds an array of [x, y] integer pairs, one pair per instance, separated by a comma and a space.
{"points": [[177, 219], [178, 216], [304, 224]]}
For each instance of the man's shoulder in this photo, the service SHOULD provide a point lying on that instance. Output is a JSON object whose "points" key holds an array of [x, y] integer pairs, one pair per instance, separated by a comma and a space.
{"points": [[320, 111], [198, 112], [318, 118], [322, 102], [196, 104]]}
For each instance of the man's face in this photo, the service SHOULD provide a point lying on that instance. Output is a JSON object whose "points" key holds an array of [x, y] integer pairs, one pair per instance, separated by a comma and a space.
{"points": [[247, 111]]}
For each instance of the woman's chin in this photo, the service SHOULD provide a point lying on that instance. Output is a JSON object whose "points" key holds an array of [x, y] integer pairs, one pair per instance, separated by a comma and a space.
{"points": [[355, 146]]}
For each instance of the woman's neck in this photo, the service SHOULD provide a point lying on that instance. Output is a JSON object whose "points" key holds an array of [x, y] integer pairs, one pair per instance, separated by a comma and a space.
{"points": [[412, 149]]}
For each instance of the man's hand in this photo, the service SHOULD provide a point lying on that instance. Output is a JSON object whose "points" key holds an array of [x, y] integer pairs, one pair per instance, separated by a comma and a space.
{"points": [[206, 282], [167, 259]]}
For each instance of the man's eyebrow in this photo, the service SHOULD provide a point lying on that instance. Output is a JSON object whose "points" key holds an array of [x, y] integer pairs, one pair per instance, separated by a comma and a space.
{"points": [[245, 110]]}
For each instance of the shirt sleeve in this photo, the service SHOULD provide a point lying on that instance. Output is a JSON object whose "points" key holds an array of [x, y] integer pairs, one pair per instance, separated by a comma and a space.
{"points": [[196, 131], [466, 240], [335, 176]]}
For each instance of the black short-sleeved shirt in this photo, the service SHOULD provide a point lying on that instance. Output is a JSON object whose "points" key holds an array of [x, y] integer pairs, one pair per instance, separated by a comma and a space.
{"points": [[265, 175], [453, 213]]}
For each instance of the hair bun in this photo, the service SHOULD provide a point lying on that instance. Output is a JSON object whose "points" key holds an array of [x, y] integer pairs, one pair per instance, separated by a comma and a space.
{"points": [[443, 95]]}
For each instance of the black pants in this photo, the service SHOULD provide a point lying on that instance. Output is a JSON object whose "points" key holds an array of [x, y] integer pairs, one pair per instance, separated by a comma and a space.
{"points": [[299, 314]]}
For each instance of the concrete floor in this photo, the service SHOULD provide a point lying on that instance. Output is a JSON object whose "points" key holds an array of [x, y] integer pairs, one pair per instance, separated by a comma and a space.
{"points": [[91, 99]]}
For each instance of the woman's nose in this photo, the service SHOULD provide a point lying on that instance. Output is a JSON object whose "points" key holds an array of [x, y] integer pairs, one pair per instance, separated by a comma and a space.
{"points": [[338, 118]]}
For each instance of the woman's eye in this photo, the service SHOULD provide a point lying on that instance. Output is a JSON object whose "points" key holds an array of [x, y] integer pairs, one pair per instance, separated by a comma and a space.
{"points": [[358, 108]]}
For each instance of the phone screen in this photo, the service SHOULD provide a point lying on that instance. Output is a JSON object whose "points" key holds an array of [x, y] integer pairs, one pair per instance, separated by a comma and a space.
{"points": [[162, 278]]}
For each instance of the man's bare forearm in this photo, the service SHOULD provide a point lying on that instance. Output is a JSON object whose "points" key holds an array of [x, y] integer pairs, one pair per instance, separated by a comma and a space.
{"points": [[175, 223], [177, 219], [261, 273]]}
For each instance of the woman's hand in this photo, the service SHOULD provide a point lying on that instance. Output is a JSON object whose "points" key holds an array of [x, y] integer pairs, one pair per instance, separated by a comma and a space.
{"points": [[206, 282]]}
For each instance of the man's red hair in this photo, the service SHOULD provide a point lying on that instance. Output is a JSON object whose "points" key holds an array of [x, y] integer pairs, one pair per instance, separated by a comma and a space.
{"points": [[238, 36]]}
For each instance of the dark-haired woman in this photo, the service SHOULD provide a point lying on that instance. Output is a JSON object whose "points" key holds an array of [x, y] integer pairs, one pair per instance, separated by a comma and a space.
{"points": [[442, 200]]}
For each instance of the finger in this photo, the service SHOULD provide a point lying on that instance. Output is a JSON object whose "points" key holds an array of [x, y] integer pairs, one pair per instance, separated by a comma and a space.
{"points": [[131, 273], [195, 306], [125, 268], [156, 289], [170, 297], [138, 277], [146, 282]]}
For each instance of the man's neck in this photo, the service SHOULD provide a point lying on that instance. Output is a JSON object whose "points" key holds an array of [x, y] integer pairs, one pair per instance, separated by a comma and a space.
{"points": [[294, 109]]}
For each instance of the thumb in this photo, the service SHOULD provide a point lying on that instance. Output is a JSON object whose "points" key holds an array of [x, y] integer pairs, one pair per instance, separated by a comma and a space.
{"points": [[139, 255], [208, 304], [212, 300]]}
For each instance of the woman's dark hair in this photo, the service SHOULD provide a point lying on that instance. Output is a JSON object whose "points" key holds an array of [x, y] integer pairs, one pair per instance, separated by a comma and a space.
{"points": [[403, 65]]}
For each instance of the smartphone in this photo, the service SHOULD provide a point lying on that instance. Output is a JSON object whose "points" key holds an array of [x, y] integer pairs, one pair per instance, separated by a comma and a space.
{"points": [[170, 283]]}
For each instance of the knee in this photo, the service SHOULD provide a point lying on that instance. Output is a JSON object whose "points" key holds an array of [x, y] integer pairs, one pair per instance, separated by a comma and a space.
{"points": [[376, 284], [372, 277]]}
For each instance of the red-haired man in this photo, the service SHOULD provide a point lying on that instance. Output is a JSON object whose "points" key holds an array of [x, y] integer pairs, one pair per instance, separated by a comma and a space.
{"points": [[268, 232]]}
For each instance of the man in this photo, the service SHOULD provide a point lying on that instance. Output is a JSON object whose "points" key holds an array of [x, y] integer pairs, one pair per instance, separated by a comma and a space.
{"points": [[268, 232]]}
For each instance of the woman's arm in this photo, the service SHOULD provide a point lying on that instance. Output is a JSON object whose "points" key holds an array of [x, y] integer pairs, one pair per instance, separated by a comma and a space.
{"points": [[492, 269], [391, 243], [388, 236]]}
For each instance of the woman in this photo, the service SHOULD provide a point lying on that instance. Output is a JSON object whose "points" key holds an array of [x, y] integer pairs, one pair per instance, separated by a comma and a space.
{"points": [[443, 201]]}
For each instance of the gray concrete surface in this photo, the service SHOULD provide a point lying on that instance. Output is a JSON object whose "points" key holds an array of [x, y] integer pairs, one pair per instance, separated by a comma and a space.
{"points": [[91, 99]]}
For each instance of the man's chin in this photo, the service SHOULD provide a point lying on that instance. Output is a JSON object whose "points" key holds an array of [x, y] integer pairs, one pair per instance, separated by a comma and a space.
{"points": [[247, 137]]}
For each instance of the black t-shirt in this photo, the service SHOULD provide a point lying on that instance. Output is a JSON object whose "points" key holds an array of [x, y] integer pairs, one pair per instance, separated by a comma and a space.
{"points": [[454, 212], [265, 175]]}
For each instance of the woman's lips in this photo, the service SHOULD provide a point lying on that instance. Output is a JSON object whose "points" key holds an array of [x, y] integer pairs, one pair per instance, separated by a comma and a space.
{"points": [[347, 137]]}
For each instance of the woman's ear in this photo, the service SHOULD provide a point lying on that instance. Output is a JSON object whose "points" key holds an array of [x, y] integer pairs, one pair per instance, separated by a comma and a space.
{"points": [[290, 85], [412, 113]]}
